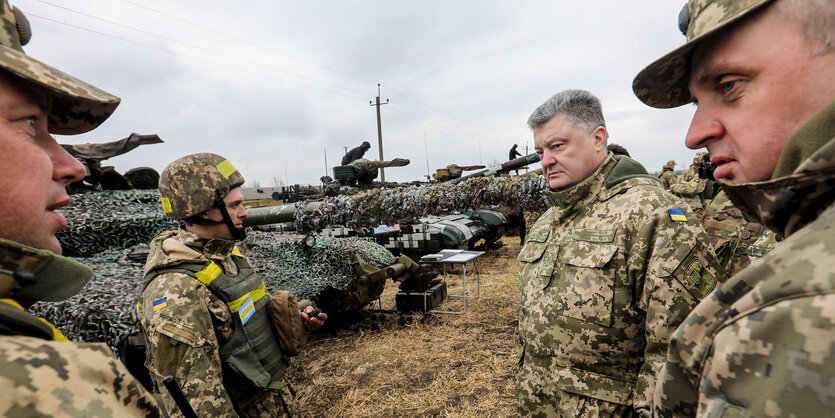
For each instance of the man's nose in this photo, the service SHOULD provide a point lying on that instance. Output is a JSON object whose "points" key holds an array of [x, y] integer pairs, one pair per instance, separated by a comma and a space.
{"points": [[704, 128], [65, 168]]}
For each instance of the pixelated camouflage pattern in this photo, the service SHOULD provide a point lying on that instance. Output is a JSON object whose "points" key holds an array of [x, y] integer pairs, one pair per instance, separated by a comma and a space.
{"points": [[56, 277], [193, 184], [42, 377], [736, 241], [76, 107], [663, 84], [689, 174], [668, 177], [762, 344], [51, 378], [603, 284], [184, 337], [691, 191]]}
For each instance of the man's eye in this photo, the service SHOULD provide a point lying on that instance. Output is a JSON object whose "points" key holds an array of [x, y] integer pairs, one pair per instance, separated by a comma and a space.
{"points": [[728, 86]]}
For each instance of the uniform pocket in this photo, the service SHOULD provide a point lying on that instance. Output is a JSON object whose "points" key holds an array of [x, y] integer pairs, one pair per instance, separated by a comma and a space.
{"points": [[586, 281]]}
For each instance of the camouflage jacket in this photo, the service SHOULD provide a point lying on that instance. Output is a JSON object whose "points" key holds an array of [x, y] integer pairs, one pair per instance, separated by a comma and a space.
{"points": [[185, 332], [690, 191], [736, 241], [668, 177], [689, 174], [43, 374], [764, 343], [606, 275]]}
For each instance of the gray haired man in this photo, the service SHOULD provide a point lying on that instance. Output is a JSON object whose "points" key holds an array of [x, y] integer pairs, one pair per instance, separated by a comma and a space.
{"points": [[606, 274]]}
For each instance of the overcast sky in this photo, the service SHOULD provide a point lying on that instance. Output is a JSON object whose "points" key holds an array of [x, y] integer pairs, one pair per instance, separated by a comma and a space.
{"points": [[276, 85]]}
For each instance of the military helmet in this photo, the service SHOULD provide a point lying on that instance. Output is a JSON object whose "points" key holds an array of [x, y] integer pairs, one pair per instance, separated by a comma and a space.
{"points": [[195, 183], [76, 106]]}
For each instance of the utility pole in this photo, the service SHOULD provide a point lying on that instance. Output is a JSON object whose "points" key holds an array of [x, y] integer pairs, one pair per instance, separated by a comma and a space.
{"points": [[426, 149], [326, 161], [380, 131]]}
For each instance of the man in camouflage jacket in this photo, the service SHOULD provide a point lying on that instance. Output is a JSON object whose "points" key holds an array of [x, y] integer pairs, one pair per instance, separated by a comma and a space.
{"points": [[667, 176], [41, 373], [204, 335], [606, 274], [763, 344]]}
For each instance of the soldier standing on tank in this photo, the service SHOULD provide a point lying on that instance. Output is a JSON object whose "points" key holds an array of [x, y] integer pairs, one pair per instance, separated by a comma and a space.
{"points": [[206, 315], [761, 74], [41, 373], [667, 175], [606, 274], [355, 153]]}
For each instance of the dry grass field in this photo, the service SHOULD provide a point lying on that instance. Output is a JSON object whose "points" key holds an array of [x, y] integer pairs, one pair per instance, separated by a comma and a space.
{"points": [[389, 364]]}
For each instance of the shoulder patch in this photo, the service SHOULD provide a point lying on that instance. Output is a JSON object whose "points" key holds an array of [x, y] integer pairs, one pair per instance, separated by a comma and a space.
{"points": [[677, 215], [159, 304]]}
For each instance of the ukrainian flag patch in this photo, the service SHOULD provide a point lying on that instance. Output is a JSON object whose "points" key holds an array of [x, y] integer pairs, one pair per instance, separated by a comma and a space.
{"points": [[246, 310], [159, 304], [677, 215]]}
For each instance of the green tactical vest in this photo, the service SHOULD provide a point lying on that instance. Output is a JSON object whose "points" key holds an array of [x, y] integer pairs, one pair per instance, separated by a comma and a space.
{"points": [[252, 360]]}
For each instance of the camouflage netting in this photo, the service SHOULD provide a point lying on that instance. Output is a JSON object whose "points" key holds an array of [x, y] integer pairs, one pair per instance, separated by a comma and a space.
{"points": [[284, 264], [509, 195], [104, 310], [101, 221]]}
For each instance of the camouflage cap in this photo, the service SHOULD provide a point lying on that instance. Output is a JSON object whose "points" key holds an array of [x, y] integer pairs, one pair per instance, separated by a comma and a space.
{"points": [[663, 83], [671, 163], [76, 107], [195, 183]]}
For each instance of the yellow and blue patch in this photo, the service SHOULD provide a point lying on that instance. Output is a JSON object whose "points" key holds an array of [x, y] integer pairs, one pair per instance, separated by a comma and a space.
{"points": [[246, 310], [159, 304], [677, 215]]}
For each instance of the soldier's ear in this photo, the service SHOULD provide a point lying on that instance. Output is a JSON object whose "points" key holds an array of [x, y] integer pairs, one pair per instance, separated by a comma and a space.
{"points": [[599, 137]]}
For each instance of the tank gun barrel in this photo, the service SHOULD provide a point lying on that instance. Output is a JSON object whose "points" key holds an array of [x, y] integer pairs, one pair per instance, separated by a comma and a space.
{"points": [[275, 214], [513, 164]]}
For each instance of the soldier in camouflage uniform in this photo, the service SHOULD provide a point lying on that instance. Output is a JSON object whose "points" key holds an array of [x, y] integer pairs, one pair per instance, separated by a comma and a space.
{"points": [[667, 176], [606, 273], [763, 344], [692, 172], [204, 310], [41, 373], [736, 241]]}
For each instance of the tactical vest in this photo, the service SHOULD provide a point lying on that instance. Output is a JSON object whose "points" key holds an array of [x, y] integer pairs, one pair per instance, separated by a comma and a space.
{"points": [[252, 360]]}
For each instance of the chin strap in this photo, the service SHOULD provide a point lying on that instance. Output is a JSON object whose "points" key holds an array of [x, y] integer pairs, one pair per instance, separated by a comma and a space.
{"points": [[237, 233]]}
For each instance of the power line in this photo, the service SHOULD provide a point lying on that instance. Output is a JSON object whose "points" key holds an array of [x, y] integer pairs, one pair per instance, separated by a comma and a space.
{"points": [[466, 125], [246, 41], [194, 57], [199, 47]]}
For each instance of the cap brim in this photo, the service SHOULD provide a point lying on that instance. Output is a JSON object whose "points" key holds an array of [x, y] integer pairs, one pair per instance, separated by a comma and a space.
{"points": [[664, 83], [76, 106]]}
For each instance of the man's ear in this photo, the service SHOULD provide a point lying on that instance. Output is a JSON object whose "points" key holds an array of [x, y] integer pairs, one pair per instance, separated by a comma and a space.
{"points": [[599, 137]]}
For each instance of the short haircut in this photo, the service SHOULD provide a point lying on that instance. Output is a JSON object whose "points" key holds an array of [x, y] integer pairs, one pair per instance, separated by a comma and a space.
{"points": [[583, 109], [816, 19]]}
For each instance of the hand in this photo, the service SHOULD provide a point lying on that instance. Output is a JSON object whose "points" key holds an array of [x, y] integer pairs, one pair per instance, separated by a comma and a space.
{"points": [[313, 324]]}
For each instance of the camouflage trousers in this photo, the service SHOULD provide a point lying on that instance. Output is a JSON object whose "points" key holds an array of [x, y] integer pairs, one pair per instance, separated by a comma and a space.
{"points": [[277, 403], [538, 396]]}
